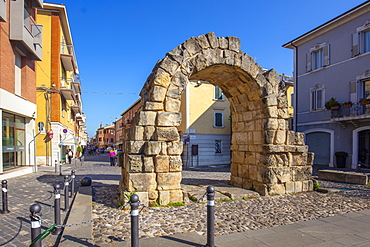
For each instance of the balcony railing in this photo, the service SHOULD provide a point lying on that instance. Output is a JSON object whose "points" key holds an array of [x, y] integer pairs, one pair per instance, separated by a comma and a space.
{"points": [[355, 111]]}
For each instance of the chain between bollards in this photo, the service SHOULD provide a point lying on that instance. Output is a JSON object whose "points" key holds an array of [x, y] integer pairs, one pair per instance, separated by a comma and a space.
{"points": [[4, 185], [35, 209], [66, 192], [134, 202], [58, 228], [210, 216]]}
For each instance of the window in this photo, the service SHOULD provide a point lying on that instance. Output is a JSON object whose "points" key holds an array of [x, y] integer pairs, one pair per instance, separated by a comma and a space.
{"points": [[99, 139], [361, 39], [18, 74], [317, 101], [218, 146], [291, 99], [218, 94], [219, 119], [111, 140], [318, 57]]}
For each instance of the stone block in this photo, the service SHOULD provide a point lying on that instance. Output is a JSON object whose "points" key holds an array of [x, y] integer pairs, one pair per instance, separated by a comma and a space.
{"points": [[302, 173], [167, 134], [298, 186], [192, 46], [234, 43], [162, 78], [269, 136], [174, 148], [283, 174], [282, 124], [250, 158], [169, 181], [271, 124], [247, 183], [307, 185], [153, 106], [168, 119], [203, 41], [146, 118], [213, 41], [271, 112], [163, 148], [236, 181], [134, 147], [331, 175], [224, 43], [133, 163], [238, 157], [172, 105], [152, 147], [158, 94], [356, 178], [253, 172], [258, 137], [234, 169], [136, 133], [163, 197], [289, 187], [176, 196], [310, 158], [169, 65], [243, 171], [148, 164], [276, 189], [153, 195], [143, 197], [142, 182], [261, 188], [162, 163], [175, 164], [280, 137], [148, 133]]}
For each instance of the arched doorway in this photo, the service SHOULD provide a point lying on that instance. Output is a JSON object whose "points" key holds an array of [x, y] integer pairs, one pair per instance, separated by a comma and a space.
{"points": [[266, 155], [321, 143]]}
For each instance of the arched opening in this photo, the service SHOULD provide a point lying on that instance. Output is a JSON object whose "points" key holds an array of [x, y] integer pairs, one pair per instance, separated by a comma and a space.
{"points": [[266, 155]]}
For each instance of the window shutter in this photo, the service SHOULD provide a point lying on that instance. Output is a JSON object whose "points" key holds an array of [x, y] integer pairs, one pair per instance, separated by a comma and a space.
{"points": [[326, 55], [355, 50], [353, 91], [308, 62], [319, 99]]}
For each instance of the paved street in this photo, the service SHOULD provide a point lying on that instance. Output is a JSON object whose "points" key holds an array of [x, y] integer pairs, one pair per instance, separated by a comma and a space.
{"points": [[263, 221]]}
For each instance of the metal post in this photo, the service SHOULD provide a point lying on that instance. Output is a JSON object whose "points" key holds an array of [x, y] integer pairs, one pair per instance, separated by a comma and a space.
{"points": [[66, 192], [56, 166], [134, 202], [60, 168], [210, 216], [4, 185], [35, 209], [73, 175], [58, 228]]}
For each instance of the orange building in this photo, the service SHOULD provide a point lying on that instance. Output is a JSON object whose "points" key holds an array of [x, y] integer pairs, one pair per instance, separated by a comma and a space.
{"points": [[21, 46], [106, 136]]}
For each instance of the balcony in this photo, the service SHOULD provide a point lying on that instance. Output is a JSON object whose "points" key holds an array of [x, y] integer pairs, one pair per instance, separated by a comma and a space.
{"points": [[68, 58], [355, 112], [24, 30], [68, 93]]}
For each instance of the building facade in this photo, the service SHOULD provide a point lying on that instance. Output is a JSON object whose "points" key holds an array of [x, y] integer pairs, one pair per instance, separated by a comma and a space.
{"points": [[105, 136], [59, 103], [21, 47], [333, 61]]}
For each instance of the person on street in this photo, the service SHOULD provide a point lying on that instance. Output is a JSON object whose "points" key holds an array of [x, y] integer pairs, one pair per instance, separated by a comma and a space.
{"points": [[112, 157], [70, 155]]}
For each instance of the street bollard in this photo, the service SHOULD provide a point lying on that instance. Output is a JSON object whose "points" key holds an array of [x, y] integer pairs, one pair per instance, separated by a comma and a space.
{"points": [[4, 185], [60, 168], [210, 216], [56, 166], [58, 228], [35, 209], [66, 192], [134, 202], [73, 175]]}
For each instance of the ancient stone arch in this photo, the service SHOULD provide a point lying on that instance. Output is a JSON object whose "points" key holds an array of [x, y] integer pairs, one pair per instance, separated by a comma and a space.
{"points": [[266, 155]]}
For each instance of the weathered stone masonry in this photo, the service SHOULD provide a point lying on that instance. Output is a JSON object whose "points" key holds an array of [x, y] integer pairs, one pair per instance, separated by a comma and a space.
{"points": [[266, 155]]}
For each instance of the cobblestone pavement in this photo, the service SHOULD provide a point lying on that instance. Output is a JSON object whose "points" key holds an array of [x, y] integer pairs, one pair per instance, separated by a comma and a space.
{"points": [[230, 216]]}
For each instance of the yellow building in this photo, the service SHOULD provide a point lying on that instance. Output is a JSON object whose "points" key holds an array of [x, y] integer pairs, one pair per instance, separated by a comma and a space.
{"points": [[58, 97], [206, 125]]}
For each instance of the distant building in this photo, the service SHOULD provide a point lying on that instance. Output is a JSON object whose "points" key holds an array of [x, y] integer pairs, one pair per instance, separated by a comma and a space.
{"points": [[21, 47], [333, 61], [106, 136]]}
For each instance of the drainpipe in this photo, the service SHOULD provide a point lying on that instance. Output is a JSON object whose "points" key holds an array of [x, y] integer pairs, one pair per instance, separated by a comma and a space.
{"points": [[295, 125]]}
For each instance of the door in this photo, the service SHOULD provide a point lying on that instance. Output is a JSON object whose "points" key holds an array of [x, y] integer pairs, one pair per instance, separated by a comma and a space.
{"points": [[364, 149], [319, 144]]}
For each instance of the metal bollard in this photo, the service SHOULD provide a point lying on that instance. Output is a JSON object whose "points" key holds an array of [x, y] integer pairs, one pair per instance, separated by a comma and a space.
{"points": [[4, 185], [60, 168], [58, 228], [56, 166], [35, 209], [73, 175], [210, 216], [134, 202], [66, 192]]}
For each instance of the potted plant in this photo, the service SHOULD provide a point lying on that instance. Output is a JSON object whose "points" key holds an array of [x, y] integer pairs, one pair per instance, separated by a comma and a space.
{"points": [[341, 158], [347, 104], [332, 104], [364, 101]]}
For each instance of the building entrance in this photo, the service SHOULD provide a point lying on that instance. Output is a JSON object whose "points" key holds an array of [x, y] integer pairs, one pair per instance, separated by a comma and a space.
{"points": [[364, 149]]}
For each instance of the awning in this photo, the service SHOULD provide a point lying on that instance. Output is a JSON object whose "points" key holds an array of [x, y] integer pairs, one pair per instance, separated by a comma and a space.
{"points": [[68, 141], [67, 61], [68, 94], [76, 109], [77, 86]]}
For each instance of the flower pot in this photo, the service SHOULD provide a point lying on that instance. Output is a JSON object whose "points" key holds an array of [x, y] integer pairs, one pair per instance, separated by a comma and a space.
{"points": [[347, 106], [365, 103], [334, 107]]}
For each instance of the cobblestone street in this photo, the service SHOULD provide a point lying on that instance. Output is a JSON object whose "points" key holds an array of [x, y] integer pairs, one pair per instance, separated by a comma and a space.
{"points": [[231, 216]]}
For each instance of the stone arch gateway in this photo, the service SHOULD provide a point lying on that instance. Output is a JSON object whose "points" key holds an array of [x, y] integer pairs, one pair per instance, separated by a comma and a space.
{"points": [[266, 155]]}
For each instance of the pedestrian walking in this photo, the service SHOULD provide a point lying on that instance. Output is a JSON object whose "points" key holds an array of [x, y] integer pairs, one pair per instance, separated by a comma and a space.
{"points": [[112, 157], [70, 155]]}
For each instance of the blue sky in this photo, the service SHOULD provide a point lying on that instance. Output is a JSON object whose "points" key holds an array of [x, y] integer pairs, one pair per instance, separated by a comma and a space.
{"points": [[118, 42]]}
